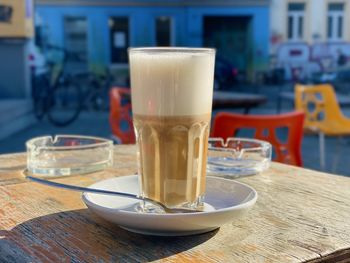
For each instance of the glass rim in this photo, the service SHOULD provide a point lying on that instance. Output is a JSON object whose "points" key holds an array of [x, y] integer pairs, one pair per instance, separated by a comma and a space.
{"points": [[261, 144], [30, 144], [201, 50]]}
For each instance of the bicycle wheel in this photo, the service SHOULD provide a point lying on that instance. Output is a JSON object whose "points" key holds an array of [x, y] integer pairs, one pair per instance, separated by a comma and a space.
{"points": [[100, 101], [65, 103], [98, 96], [40, 95]]}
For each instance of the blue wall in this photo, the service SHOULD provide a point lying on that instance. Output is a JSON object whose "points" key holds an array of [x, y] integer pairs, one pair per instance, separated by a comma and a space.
{"points": [[188, 25]]}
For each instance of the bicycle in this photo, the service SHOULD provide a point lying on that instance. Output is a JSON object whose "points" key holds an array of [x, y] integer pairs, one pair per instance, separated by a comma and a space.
{"points": [[95, 95], [57, 93]]}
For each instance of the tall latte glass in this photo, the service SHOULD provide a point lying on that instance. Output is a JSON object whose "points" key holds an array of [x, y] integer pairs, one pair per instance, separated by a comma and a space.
{"points": [[171, 92]]}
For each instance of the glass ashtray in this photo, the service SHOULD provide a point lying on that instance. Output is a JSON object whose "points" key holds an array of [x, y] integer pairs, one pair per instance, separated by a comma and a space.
{"points": [[238, 157], [64, 155]]}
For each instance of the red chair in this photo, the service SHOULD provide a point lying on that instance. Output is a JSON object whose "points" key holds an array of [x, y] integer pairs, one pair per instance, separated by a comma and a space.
{"points": [[120, 115], [266, 128]]}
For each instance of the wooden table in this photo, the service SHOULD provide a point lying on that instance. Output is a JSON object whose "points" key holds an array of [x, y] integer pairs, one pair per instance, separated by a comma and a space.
{"points": [[300, 215], [227, 99]]}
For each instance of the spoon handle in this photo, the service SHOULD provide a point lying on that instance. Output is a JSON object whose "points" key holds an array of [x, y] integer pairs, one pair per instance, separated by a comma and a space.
{"points": [[101, 191], [81, 189]]}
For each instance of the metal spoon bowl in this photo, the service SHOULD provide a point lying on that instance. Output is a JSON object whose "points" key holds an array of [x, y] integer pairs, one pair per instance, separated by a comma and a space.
{"points": [[106, 192]]}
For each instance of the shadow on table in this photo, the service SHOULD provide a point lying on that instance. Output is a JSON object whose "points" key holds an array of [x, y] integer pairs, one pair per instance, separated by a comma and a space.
{"points": [[80, 236], [11, 168], [11, 174]]}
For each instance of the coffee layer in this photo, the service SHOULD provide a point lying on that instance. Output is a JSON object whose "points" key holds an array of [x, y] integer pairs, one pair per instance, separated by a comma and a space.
{"points": [[173, 154]]}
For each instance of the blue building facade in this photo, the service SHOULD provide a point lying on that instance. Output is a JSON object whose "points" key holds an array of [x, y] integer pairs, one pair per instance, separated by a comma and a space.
{"points": [[103, 30]]}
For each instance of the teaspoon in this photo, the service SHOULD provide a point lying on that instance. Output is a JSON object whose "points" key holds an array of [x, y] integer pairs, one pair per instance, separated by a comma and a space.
{"points": [[106, 192]]}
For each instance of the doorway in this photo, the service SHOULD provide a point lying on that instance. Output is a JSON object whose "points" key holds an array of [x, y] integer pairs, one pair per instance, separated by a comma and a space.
{"points": [[231, 36]]}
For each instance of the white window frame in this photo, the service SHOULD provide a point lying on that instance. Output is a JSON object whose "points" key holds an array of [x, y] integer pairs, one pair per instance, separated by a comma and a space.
{"points": [[296, 15], [335, 15]]}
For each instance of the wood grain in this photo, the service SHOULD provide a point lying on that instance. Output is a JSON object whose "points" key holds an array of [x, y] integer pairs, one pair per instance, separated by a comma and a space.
{"points": [[300, 215]]}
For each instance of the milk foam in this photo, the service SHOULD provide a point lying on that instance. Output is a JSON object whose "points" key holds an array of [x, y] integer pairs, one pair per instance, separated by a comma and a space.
{"points": [[171, 83]]}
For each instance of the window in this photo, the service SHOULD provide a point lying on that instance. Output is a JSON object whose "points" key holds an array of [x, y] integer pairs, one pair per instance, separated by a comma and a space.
{"points": [[335, 21], [163, 31], [295, 21], [75, 41], [119, 39]]}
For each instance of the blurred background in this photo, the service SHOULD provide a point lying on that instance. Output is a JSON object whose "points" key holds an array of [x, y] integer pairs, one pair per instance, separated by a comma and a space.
{"points": [[59, 59]]}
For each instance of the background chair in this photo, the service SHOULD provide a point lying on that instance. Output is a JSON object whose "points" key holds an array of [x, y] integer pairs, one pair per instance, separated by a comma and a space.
{"points": [[322, 113], [287, 149], [120, 115]]}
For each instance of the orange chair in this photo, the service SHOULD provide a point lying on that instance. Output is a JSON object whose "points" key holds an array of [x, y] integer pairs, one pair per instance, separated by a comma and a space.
{"points": [[120, 115], [266, 128], [322, 113]]}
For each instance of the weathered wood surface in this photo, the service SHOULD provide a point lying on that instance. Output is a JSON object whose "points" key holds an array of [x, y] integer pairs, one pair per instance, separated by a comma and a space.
{"points": [[300, 215]]}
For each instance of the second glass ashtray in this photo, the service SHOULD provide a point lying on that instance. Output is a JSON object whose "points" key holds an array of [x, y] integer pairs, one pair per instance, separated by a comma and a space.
{"points": [[64, 155], [238, 156]]}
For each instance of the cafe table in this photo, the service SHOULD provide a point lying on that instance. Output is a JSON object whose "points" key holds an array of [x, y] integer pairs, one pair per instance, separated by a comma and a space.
{"points": [[233, 100], [227, 100], [300, 215]]}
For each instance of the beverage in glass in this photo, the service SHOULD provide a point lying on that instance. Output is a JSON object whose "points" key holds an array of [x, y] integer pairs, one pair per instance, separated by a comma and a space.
{"points": [[171, 92]]}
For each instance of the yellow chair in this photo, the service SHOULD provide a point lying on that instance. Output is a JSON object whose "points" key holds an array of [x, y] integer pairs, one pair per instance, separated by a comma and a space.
{"points": [[322, 113]]}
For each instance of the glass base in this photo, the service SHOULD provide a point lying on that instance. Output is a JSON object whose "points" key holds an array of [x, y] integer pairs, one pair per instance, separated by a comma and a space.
{"points": [[235, 167], [146, 207], [57, 172]]}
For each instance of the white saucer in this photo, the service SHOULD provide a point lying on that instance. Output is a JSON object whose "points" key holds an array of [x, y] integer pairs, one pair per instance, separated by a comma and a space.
{"points": [[225, 200]]}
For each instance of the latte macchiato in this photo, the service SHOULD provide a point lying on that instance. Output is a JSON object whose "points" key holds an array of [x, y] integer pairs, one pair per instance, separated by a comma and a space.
{"points": [[173, 153], [171, 101]]}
